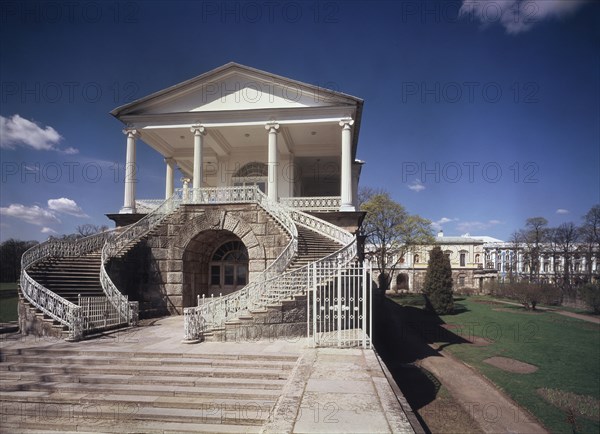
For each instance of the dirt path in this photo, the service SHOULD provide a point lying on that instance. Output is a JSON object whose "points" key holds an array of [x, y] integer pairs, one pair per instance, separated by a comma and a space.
{"points": [[581, 316], [406, 338], [493, 411]]}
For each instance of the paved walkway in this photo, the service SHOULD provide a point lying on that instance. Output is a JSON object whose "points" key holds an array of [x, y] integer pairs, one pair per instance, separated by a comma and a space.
{"points": [[329, 390], [581, 316]]}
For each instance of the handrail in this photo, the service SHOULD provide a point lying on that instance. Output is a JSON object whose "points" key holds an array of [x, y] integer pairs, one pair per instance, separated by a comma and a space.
{"points": [[51, 304], [258, 294]]}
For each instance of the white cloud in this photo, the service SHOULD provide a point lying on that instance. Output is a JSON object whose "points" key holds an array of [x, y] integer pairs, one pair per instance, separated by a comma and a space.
{"points": [[475, 226], [66, 206], [47, 230], [34, 215], [17, 131], [70, 150], [562, 211], [518, 15], [417, 186], [437, 225]]}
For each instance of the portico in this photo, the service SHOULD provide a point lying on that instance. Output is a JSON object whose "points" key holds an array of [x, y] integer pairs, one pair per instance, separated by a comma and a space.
{"points": [[222, 128]]}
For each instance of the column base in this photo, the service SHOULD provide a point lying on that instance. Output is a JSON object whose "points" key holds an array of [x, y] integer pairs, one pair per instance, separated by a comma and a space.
{"points": [[127, 210], [347, 208]]}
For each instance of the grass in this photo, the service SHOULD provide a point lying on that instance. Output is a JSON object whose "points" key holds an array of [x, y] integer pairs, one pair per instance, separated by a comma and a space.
{"points": [[564, 349], [8, 302]]}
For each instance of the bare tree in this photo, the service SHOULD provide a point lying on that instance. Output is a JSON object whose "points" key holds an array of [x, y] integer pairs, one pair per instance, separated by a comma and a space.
{"points": [[89, 229], [564, 239], [534, 235], [516, 242], [390, 233], [590, 237]]}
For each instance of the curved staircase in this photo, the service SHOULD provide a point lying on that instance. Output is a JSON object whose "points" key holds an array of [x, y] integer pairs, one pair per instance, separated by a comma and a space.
{"points": [[71, 276], [55, 274]]}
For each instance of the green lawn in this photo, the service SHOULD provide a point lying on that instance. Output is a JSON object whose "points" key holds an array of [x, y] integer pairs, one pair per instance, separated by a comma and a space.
{"points": [[566, 351], [8, 302]]}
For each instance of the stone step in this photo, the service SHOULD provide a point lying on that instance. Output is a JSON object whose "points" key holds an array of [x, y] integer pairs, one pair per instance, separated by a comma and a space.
{"points": [[141, 389], [206, 413], [129, 369], [151, 354], [14, 377], [19, 425], [229, 402]]}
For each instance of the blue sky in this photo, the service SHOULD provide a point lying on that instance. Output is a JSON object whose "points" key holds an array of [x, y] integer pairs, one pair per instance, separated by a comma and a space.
{"points": [[477, 114]]}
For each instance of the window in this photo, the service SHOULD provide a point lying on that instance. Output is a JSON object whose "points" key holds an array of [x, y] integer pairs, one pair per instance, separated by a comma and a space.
{"points": [[463, 259], [477, 258], [250, 174], [416, 258], [461, 280], [229, 266]]}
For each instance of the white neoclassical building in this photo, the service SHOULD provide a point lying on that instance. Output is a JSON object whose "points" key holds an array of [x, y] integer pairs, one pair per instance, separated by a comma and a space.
{"points": [[237, 125]]}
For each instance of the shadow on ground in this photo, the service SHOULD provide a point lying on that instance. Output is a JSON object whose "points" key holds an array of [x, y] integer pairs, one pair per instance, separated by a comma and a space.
{"points": [[401, 337]]}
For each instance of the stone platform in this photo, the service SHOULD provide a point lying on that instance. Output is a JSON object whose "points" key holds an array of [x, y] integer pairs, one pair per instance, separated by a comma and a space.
{"points": [[163, 385]]}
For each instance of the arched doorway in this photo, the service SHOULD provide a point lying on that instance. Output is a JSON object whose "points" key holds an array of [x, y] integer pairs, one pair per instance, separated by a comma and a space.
{"points": [[228, 268], [214, 262], [402, 282]]}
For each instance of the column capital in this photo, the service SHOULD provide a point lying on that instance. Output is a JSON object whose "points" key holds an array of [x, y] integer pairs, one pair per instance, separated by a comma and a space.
{"points": [[169, 160], [198, 130], [272, 127], [131, 132], [346, 123]]}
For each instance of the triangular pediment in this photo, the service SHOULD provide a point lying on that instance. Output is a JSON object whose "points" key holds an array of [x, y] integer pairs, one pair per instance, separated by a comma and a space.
{"points": [[234, 87]]}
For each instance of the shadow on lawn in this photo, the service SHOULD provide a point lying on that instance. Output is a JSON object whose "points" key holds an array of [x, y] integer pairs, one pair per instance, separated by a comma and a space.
{"points": [[401, 337]]}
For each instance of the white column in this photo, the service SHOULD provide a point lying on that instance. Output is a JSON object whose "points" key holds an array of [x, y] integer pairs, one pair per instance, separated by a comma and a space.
{"points": [[346, 166], [197, 179], [130, 172], [272, 162], [169, 177]]}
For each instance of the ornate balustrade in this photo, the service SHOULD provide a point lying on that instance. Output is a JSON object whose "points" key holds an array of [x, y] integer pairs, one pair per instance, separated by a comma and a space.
{"points": [[51, 304], [317, 203]]}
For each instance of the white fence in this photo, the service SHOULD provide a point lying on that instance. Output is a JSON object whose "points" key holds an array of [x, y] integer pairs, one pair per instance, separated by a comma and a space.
{"points": [[340, 307], [98, 313]]}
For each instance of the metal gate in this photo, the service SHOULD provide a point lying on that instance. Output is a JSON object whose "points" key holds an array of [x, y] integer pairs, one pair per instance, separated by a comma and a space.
{"points": [[339, 305]]}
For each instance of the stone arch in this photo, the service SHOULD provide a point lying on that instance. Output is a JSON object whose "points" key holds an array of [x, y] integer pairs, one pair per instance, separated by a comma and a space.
{"points": [[205, 220]]}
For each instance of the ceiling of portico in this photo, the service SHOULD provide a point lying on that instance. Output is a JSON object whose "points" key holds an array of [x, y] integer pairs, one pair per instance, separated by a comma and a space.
{"points": [[301, 140]]}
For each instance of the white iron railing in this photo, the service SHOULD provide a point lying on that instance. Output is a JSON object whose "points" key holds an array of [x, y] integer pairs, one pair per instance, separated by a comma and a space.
{"points": [[43, 299], [213, 313], [340, 308], [317, 203], [98, 313]]}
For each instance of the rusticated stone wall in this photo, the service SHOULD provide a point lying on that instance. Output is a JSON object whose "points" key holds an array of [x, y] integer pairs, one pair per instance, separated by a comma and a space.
{"points": [[169, 269]]}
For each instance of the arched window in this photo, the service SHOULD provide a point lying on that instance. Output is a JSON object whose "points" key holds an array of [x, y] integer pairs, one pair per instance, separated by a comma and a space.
{"points": [[477, 258], [229, 266], [254, 173], [416, 258]]}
